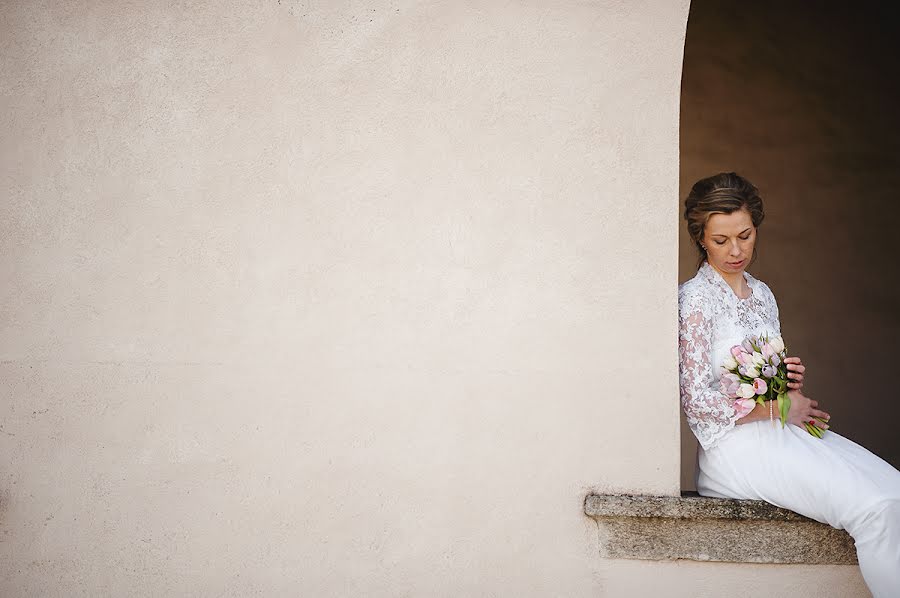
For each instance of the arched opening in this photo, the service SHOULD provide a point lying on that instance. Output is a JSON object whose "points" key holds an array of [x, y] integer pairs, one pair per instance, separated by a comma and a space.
{"points": [[802, 100]]}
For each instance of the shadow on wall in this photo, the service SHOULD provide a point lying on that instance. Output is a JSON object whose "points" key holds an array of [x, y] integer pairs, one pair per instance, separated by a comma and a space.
{"points": [[801, 99]]}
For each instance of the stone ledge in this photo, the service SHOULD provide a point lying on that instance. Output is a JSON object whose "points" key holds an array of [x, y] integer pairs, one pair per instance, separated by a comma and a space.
{"points": [[713, 529]]}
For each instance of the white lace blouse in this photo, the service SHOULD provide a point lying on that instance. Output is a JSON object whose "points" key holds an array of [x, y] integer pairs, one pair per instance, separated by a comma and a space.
{"points": [[712, 319]]}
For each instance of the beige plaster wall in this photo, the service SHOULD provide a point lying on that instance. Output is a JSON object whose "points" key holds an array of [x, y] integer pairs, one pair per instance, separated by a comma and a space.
{"points": [[333, 298], [800, 102]]}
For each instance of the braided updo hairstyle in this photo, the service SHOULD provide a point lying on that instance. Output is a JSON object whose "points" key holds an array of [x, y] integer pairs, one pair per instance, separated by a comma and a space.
{"points": [[722, 193]]}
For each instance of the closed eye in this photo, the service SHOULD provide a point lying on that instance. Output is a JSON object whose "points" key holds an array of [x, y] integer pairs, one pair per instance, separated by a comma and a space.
{"points": [[723, 242]]}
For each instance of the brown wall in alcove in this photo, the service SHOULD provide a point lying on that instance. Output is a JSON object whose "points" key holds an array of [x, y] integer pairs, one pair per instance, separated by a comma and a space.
{"points": [[804, 103]]}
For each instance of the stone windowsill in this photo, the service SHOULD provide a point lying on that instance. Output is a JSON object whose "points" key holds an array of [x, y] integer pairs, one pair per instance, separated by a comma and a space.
{"points": [[713, 529]]}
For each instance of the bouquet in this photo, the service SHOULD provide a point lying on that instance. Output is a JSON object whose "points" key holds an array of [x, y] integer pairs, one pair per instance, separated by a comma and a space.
{"points": [[755, 372]]}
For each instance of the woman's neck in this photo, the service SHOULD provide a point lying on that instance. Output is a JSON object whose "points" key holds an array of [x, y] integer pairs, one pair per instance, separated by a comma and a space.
{"points": [[735, 280]]}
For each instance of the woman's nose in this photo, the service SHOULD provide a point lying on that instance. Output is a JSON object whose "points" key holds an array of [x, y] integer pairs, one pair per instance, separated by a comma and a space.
{"points": [[735, 250]]}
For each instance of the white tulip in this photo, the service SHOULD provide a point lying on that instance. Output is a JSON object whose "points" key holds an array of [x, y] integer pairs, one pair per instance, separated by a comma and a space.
{"points": [[777, 344], [751, 371], [745, 391], [758, 359], [730, 363]]}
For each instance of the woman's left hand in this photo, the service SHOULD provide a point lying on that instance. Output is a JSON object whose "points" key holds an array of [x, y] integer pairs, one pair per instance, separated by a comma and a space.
{"points": [[795, 369]]}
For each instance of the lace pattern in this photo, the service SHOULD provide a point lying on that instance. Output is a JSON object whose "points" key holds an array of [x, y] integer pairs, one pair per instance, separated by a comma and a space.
{"points": [[712, 319]]}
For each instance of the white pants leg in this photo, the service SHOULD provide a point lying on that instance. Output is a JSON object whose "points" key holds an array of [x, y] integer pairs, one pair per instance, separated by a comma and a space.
{"points": [[878, 548], [833, 480]]}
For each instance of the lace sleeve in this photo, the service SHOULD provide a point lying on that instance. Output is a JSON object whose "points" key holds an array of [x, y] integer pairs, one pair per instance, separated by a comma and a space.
{"points": [[710, 413]]}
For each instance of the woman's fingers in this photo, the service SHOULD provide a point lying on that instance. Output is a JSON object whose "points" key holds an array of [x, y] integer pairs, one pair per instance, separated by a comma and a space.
{"points": [[795, 371], [817, 413]]}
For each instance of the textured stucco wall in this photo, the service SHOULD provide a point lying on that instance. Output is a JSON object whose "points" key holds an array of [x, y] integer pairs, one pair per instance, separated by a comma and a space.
{"points": [[297, 296], [799, 100], [332, 299]]}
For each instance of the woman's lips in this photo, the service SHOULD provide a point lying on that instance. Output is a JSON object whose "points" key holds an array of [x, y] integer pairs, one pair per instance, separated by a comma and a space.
{"points": [[735, 264]]}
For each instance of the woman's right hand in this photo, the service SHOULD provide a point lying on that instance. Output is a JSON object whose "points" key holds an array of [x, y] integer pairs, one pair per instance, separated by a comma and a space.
{"points": [[803, 409]]}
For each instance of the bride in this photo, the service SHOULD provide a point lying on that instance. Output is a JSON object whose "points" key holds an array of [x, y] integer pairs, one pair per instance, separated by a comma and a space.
{"points": [[832, 480]]}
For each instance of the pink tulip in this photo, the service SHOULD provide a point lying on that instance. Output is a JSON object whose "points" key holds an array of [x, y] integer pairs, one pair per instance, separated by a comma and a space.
{"points": [[744, 406], [767, 351], [736, 351], [729, 384], [759, 386]]}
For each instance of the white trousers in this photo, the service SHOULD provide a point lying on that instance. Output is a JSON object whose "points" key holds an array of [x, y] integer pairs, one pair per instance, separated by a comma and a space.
{"points": [[832, 480]]}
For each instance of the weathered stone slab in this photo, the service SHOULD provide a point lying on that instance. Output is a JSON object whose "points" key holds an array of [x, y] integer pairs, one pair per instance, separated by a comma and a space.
{"points": [[713, 529]]}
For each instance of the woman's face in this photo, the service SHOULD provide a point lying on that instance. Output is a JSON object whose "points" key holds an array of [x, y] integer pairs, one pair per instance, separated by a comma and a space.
{"points": [[729, 240]]}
